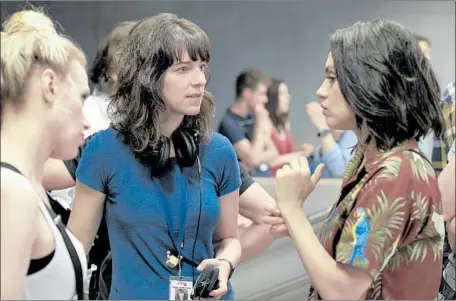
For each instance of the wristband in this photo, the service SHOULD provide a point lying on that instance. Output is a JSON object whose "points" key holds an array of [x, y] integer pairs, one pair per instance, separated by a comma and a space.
{"points": [[231, 266], [323, 133]]}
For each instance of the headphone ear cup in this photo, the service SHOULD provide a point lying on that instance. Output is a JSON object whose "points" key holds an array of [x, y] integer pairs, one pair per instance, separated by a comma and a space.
{"points": [[185, 147], [162, 153]]}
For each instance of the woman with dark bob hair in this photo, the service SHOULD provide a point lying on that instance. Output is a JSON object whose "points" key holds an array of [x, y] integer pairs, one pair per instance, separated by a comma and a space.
{"points": [[383, 237], [171, 184]]}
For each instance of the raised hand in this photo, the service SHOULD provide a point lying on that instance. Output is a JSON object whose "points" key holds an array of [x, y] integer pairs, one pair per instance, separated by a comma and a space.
{"points": [[315, 112], [294, 183]]}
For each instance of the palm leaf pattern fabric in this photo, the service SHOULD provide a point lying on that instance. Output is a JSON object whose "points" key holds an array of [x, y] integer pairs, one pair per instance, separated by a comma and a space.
{"points": [[390, 225]]}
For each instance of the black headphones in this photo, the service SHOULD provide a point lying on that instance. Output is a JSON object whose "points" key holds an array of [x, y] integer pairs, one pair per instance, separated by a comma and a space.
{"points": [[186, 145], [186, 141]]}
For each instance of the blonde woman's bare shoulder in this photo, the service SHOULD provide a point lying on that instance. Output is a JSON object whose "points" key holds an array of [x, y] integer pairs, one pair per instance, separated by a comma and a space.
{"points": [[19, 210], [17, 194], [19, 228]]}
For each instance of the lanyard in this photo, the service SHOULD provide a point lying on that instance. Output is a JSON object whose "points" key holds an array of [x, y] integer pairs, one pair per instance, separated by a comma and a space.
{"points": [[179, 243]]}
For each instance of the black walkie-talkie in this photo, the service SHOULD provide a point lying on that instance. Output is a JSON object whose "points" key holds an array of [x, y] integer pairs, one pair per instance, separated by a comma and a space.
{"points": [[206, 282]]}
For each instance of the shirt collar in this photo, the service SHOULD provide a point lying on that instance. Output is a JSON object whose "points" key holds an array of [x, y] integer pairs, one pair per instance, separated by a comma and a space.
{"points": [[372, 160]]}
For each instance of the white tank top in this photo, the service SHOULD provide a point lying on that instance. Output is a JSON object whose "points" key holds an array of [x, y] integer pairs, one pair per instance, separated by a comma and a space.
{"points": [[56, 280]]}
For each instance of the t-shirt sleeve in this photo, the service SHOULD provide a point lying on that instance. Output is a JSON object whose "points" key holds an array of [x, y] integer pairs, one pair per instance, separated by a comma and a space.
{"points": [[93, 170], [232, 130], [246, 180], [72, 165], [228, 169]]}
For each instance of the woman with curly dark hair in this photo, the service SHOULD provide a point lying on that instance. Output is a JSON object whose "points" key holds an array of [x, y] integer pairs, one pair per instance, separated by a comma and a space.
{"points": [[172, 186], [383, 238]]}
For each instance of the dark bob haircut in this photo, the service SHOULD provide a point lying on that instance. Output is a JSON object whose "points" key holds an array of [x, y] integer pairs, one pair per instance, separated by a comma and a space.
{"points": [[388, 82], [152, 46]]}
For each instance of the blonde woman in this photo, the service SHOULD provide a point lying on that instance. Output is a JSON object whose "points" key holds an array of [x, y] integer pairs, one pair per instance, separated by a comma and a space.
{"points": [[43, 86]]}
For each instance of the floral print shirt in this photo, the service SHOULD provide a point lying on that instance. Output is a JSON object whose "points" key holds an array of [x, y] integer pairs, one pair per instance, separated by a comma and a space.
{"points": [[389, 224]]}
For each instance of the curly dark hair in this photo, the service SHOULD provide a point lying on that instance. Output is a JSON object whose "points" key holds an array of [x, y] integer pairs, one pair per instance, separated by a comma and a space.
{"points": [[152, 46], [388, 82]]}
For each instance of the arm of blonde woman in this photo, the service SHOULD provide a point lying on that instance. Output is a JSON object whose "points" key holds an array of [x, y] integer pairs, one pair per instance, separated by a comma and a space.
{"points": [[56, 175], [86, 214], [229, 247], [19, 218]]}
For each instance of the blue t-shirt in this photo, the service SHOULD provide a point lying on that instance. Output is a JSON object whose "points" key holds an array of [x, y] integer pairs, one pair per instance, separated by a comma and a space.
{"points": [[136, 216]]}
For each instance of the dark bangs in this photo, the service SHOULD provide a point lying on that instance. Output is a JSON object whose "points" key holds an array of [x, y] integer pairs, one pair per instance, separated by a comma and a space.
{"points": [[195, 43], [150, 48], [183, 37]]}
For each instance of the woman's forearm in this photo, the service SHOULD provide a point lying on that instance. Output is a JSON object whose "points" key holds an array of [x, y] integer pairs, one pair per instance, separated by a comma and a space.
{"points": [[335, 161], [229, 249], [327, 143], [254, 240], [253, 203]]}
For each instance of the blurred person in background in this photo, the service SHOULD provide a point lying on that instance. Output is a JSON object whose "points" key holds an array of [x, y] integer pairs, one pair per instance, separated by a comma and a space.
{"points": [[442, 144], [247, 125], [425, 45], [444, 166], [336, 146], [278, 107], [447, 188], [103, 75]]}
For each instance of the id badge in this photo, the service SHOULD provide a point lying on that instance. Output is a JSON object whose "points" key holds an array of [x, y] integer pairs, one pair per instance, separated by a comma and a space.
{"points": [[180, 288]]}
